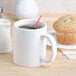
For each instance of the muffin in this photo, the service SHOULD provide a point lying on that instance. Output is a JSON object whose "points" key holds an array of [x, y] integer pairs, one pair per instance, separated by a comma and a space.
{"points": [[65, 28]]}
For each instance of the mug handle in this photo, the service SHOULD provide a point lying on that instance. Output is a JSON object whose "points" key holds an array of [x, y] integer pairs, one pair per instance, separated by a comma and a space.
{"points": [[52, 41]]}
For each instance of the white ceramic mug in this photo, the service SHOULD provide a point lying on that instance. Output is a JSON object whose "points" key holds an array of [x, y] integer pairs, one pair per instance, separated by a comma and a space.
{"points": [[30, 44]]}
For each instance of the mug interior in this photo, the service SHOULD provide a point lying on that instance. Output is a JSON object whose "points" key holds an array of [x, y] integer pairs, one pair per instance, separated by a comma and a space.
{"points": [[31, 23]]}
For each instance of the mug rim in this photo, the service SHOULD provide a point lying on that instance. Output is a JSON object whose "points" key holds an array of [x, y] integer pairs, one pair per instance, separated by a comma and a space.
{"points": [[29, 21]]}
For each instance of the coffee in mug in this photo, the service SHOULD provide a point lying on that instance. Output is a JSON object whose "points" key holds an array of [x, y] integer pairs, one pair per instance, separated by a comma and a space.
{"points": [[29, 26]]}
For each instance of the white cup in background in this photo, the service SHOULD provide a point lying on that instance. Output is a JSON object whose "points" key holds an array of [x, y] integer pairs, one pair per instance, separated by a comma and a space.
{"points": [[30, 44], [5, 41]]}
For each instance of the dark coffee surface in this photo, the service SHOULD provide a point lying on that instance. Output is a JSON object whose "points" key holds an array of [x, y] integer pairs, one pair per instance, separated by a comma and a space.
{"points": [[29, 27]]}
